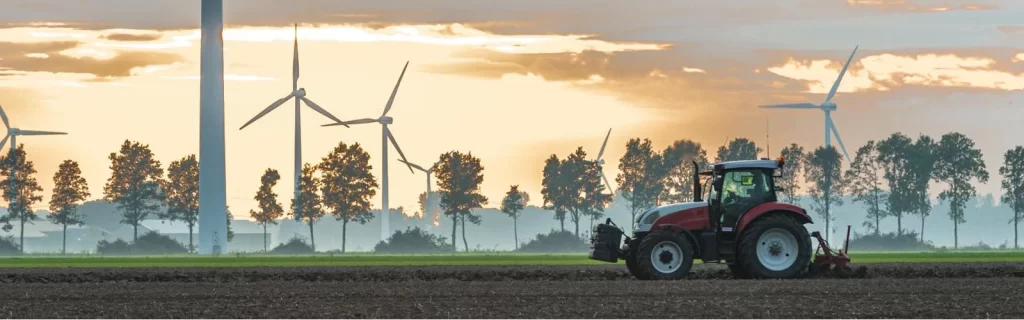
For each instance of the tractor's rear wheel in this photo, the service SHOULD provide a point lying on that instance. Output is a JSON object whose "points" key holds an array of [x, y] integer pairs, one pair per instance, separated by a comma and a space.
{"points": [[665, 255], [775, 247]]}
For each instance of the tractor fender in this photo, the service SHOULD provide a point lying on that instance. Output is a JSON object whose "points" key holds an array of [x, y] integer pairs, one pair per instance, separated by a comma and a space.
{"points": [[680, 229], [772, 208]]}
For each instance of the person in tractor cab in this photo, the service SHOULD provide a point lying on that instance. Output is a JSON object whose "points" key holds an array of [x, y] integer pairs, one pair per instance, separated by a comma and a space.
{"points": [[743, 190]]}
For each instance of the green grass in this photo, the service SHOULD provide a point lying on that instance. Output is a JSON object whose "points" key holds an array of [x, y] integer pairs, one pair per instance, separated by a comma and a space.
{"points": [[439, 259]]}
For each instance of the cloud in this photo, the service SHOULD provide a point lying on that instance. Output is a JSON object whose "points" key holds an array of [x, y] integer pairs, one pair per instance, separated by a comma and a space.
{"points": [[132, 37], [886, 71], [52, 57], [920, 6]]}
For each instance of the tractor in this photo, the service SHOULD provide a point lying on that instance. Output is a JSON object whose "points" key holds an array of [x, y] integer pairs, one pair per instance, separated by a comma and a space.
{"points": [[741, 223]]}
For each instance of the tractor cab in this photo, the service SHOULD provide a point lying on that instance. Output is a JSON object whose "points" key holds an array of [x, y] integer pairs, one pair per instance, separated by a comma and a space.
{"points": [[736, 187]]}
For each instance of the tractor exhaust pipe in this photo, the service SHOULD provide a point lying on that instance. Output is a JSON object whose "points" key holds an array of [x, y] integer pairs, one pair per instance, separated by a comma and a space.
{"points": [[696, 183]]}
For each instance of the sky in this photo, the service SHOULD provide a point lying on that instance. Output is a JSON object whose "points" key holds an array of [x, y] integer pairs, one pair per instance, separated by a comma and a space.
{"points": [[509, 82]]}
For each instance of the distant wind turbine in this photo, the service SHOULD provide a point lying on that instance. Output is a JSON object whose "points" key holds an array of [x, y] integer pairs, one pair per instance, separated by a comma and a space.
{"points": [[828, 106], [429, 199], [13, 133], [600, 163], [384, 120], [300, 96]]}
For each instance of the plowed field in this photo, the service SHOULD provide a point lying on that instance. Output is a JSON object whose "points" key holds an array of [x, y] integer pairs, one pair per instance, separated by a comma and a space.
{"points": [[947, 290]]}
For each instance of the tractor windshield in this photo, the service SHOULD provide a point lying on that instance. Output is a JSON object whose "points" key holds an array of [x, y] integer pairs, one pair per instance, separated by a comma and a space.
{"points": [[742, 189]]}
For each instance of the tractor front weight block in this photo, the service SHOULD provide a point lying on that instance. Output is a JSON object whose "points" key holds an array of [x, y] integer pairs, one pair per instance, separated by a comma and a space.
{"points": [[604, 242]]}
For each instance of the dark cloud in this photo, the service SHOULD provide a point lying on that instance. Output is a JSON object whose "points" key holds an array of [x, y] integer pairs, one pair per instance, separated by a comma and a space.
{"points": [[13, 57], [132, 37]]}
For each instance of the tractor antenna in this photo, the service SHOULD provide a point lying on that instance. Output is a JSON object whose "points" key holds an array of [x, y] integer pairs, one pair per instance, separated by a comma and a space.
{"points": [[767, 137]]}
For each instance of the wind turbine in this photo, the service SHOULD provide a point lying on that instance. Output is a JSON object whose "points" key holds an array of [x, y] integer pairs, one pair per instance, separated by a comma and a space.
{"points": [[212, 184], [600, 163], [429, 203], [13, 133], [828, 106], [300, 96], [386, 135]]}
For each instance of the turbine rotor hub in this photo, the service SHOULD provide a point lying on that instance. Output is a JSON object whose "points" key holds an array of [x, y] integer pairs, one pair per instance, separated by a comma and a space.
{"points": [[300, 93], [830, 106], [387, 120]]}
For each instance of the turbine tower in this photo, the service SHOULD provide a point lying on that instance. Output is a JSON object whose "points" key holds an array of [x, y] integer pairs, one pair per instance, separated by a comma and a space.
{"points": [[828, 106], [13, 133], [212, 189], [386, 135], [428, 203], [300, 96]]}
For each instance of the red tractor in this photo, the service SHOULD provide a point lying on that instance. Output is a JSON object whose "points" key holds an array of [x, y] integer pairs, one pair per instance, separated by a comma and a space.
{"points": [[742, 223]]}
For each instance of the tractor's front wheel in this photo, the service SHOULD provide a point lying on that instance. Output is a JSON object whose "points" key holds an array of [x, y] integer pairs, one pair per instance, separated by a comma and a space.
{"points": [[634, 267], [665, 255], [775, 247]]}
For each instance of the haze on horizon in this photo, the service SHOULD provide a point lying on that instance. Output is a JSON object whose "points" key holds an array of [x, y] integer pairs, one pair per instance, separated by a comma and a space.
{"points": [[511, 83]]}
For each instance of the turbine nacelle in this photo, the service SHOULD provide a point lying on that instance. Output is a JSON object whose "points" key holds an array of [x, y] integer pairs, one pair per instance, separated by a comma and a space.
{"points": [[301, 92], [386, 120], [828, 106]]}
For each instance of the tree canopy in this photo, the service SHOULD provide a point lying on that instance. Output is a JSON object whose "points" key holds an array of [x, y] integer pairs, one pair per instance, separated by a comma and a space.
{"points": [[134, 184], [459, 176]]}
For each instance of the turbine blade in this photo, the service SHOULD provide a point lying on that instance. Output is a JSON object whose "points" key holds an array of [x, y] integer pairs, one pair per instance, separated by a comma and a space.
{"points": [[607, 184], [791, 106], [4, 142], [413, 165], [395, 91], [321, 110], [3, 115], [835, 86], [392, 138], [832, 127], [599, 154], [39, 133], [346, 123], [270, 108], [295, 60]]}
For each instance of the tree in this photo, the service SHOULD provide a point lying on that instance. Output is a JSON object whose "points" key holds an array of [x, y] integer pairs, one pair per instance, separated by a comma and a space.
{"points": [[22, 189], [134, 184], [229, 217], [823, 173], [894, 155], [738, 149], [553, 189], [182, 194], [1013, 186], [69, 190], [309, 203], [347, 185], [958, 162], [640, 176], [864, 179], [583, 190], [269, 208], [922, 158], [678, 159], [459, 176], [512, 205], [795, 159]]}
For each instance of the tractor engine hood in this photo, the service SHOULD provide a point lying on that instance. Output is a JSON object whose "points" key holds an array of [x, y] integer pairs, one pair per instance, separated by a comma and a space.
{"points": [[646, 220]]}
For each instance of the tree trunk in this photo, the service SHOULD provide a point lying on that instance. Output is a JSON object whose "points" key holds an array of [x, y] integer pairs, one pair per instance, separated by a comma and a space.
{"points": [[465, 244], [264, 237], [64, 243], [577, 223], [899, 224], [191, 248], [562, 222], [22, 237], [135, 232], [344, 230], [515, 231], [1016, 220], [312, 241], [455, 228], [956, 239], [922, 226]]}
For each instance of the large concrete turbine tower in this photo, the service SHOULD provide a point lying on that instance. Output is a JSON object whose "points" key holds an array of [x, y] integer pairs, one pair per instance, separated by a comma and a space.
{"points": [[212, 189]]}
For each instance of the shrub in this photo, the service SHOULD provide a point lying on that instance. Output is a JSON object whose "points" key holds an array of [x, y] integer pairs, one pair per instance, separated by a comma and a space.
{"points": [[151, 243], [909, 240], [9, 246], [413, 240], [118, 247], [296, 245], [556, 241]]}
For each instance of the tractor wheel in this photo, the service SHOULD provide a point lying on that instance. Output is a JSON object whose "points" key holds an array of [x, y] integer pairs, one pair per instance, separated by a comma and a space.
{"points": [[737, 270], [665, 255], [775, 247], [634, 267]]}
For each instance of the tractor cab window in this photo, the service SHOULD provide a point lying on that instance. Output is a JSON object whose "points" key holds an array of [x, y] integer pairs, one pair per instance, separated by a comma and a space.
{"points": [[742, 190]]}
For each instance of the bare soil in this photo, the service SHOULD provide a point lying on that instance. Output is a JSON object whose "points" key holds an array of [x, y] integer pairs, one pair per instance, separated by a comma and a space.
{"points": [[962, 290]]}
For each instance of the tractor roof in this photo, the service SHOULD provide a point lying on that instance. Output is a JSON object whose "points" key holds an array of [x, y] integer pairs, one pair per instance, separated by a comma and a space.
{"points": [[741, 164]]}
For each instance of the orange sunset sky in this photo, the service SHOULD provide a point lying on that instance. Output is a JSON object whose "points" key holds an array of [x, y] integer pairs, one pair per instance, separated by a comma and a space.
{"points": [[510, 81]]}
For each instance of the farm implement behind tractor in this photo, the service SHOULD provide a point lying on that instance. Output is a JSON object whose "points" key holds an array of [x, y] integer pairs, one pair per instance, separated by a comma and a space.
{"points": [[742, 224]]}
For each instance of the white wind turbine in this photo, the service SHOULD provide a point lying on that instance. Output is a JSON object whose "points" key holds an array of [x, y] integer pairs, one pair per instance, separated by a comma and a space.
{"points": [[386, 135], [828, 106], [13, 133], [429, 201], [600, 163], [300, 96]]}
